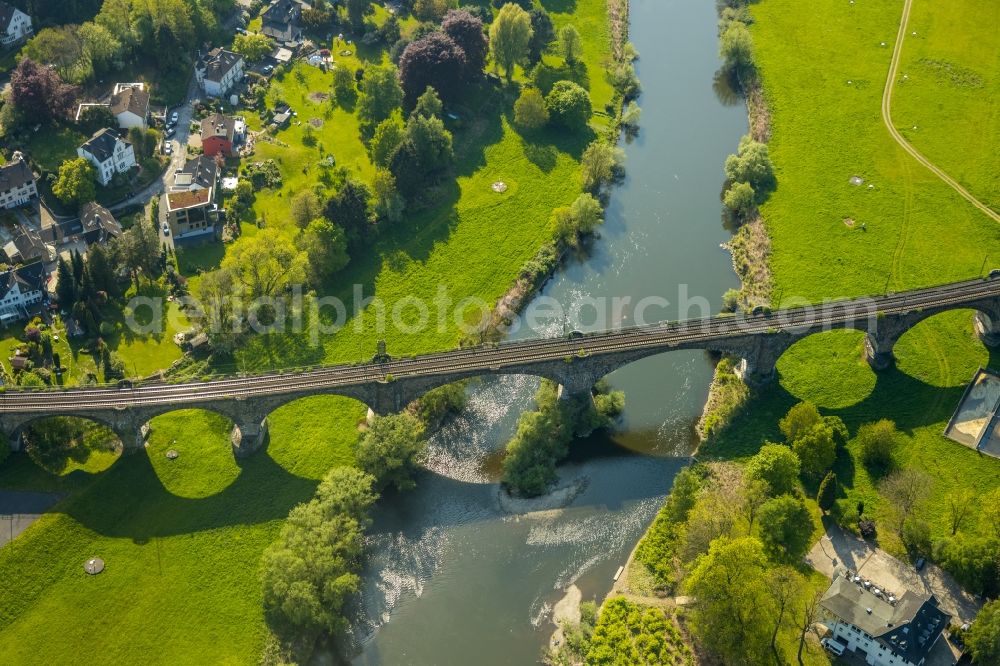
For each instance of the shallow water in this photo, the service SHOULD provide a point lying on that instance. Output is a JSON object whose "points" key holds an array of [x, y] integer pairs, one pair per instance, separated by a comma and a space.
{"points": [[453, 579]]}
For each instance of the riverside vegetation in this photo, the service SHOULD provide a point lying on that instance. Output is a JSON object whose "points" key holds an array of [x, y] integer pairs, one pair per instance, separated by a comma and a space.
{"points": [[184, 538]]}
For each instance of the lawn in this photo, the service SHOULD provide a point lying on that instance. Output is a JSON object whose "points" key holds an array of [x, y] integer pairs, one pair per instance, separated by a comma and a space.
{"points": [[52, 147], [948, 106], [827, 128], [181, 539]]}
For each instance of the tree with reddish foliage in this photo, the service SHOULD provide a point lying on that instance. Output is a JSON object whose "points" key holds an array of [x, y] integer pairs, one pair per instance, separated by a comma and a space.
{"points": [[467, 31], [434, 60], [38, 92]]}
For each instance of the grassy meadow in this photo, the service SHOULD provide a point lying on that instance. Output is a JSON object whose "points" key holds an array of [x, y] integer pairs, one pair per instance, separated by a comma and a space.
{"points": [[826, 128]]}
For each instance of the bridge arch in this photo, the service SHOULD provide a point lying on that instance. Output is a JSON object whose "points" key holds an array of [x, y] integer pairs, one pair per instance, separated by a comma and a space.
{"points": [[200, 438], [63, 443], [310, 434]]}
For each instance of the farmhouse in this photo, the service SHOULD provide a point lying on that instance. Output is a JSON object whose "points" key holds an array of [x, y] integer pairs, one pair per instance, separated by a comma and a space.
{"points": [[21, 292], [17, 183], [882, 629], [15, 25], [130, 105], [218, 71], [109, 153], [280, 21]]}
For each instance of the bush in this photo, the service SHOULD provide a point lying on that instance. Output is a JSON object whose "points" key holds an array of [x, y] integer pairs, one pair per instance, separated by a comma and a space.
{"points": [[529, 110], [392, 450], [568, 105], [751, 164], [741, 199], [601, 165], [785, 527], [877, 443], [777, 465]]}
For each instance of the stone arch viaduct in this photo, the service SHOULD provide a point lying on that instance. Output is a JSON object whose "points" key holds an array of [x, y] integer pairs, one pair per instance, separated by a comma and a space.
{"points": [[576, 362]]}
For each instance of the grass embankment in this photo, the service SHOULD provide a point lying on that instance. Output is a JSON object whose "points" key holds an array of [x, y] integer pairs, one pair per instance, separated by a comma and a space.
{"points": [[182, 541], [948, 106], [826, 128]]}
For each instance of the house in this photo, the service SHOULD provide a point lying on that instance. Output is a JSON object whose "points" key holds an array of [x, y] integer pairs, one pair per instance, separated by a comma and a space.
{"points": [[280, 21], [15, 26], [130, 105], [219, 133], [17, 183], [282, 116], [109, 153], [22, 291], [97, 223], [878, 627], [27, 246], [188, 209], [218, 71]]}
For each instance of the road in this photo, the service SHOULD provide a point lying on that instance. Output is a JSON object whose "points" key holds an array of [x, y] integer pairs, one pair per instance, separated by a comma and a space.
{"points": [[887, 119], [511, 357]]}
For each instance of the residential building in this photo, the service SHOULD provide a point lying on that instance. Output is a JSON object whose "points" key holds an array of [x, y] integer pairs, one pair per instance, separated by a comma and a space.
{"points": [[189, 208], [220, 133], [130, 105], [280, 21], [27, 246], [97, 224], [109, 153], [219, 71], [22, 291], [17, 183], [879, 627], [15, 26]]}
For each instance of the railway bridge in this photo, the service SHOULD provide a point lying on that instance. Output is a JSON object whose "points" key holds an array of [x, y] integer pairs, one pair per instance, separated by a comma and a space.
{"points": [[576, 362]]}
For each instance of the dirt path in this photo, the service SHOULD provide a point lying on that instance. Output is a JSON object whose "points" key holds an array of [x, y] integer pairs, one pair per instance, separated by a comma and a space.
{"points": [[887, 119]]}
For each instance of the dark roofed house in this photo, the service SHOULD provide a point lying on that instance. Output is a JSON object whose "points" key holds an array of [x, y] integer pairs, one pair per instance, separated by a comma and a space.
{"points": [[280, 21], [26, 246], [109, 153], [219, 71], [21, 292], [17, 183], [130, 105], [15, 25], [883, 629], [97, 223]]}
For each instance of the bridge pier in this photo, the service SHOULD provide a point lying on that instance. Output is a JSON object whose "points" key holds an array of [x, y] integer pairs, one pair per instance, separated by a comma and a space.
{"points": [[987, 327], [878, 351], [248, 437]]}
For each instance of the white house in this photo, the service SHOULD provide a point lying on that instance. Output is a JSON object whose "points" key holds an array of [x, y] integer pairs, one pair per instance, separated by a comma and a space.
{"points": [[109, 153], [878, 627], [17, 183], [219, 71], [130, 105], [15, 25], [21, 292]]}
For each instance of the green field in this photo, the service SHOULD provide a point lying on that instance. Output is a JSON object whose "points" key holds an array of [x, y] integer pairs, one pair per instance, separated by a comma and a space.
{"points": [[951, 93], [182, 540], [826, 128]]}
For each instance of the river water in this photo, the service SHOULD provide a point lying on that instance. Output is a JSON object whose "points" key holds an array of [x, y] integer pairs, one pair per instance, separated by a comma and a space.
{"points": [[454, 579]]}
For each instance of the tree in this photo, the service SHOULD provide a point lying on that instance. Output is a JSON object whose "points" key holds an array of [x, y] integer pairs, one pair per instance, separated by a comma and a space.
{"points": [[741, 199], [806, 618], [466, 30], [736, 47], [265, 264], [428, 105], [93, 118], [65, 285], [252, 46], [904, 490], [751, 164], [39, 93], [568, 105], [325, 246], [799, 420], [827, 495], [389, 203], [529, 109], [960, 503], [785, 527], [62, 48], [392, 450], [306, 207], [569, 44], [973, 561], [816, 450], [436, 61], [100, 45], [600, 165], [349, 209], [785, 584], [878, 442], [99, 268], [983, 636], [344, 90], [623, 79], [542, 34], [380, 95], [732, 607], [777, 465], [990, 511], [76, 183], [510, 35], [386, 141], [431, 11], [356, 12], [579, 219]]}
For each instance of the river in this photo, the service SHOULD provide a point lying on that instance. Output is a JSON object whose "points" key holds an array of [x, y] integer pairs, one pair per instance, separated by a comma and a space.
{"points": [[452, 578]]}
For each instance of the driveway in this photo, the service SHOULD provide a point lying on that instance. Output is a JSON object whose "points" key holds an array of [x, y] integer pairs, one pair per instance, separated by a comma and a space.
{"points": [[838, 548]]}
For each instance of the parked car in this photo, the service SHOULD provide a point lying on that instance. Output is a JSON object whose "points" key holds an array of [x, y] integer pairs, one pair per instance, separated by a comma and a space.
{"points": [[168, 149], [170, 132], [166, 229], [174, 117]]}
